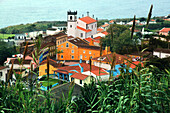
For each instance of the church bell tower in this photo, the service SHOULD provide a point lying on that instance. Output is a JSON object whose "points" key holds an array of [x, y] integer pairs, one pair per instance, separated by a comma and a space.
{"points": [[71, 23]]}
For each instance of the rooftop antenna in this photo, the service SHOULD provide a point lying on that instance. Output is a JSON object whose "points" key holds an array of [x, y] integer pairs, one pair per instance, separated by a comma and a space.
{"points": [[87, 13]]}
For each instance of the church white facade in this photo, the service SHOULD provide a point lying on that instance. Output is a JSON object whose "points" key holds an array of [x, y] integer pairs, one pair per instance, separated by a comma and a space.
{"points": [[83, 27]]}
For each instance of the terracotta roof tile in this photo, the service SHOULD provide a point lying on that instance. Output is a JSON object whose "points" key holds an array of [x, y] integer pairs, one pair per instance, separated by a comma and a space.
{"points": [[51, 62], [162, 50], [86, 67], [165, 30], [98, 38], [87, 20], [105, 25], [2, 67], [79, 76], [100, 30], [133, 64], [108, 58], [105, 32], [17, 62]]}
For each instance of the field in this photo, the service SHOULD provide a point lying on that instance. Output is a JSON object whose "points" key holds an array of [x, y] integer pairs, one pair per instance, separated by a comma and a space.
{"points": [[5, 36], [51, 82]]}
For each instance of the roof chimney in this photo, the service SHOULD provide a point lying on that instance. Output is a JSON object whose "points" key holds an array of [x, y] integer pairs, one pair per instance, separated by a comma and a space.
{"points": [[87, 13], [82, 15], [93, 16], [96, 19]]}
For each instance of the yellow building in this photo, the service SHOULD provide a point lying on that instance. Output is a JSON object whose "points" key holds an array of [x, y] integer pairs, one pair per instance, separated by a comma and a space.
{"points": [[52, 66]]}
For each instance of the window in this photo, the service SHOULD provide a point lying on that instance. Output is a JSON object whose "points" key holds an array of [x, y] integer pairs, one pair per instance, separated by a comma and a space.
{"points": [[72, 51], [72, 57], [85, 56], [72, 46], [70, 26], [89, 52], [92, 26], [61, 56], [81, 34], [75, 17], [0, 74], [45, 70], [66, 44], [95, 25], [91, 57], [84, 51], [81, 56], [72, 79], [61, 46], [80, 81]]}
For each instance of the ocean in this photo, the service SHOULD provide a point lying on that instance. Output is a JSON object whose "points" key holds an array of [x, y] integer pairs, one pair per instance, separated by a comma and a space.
{"points": [[13, 12]]}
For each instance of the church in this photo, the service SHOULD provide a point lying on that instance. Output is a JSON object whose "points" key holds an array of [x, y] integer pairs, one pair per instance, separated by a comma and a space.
{"points": [[83, 27]]}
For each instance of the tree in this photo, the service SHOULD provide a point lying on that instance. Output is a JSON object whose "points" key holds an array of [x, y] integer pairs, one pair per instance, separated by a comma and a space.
{"points": [[142, 19], [123, 44], [3, 32], [6, 50]]}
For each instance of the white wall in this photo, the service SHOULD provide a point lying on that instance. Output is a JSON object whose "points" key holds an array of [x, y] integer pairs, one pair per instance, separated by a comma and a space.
{"points": [[102, 65], [4, 72], [51, 32], [81, 24], [161, 55], [71, 31]]}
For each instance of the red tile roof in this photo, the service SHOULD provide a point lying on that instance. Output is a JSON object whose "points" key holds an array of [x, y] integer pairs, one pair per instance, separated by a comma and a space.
{"points": [[105, 32], [105, 25], [152, 20], [100, 30], [165, 30], [85, 30], [89, 39], [79, 76], [86, 67], [51, 62], [2, 67], [87, 20], [98, 38], [133, 64], [111, 21], [108, 58], [167, 19]]}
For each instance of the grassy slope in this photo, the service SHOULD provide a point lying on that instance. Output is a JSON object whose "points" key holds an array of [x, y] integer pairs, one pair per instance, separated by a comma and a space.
{"points": [[5, 36]]}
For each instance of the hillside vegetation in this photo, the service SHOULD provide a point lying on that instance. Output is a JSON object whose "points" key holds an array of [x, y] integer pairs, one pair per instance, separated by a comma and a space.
{"points": [[24, 28]]}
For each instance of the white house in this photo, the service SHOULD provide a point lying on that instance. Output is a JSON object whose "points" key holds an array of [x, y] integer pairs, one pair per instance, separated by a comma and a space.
{"points": [[52, 31], [3, 73], [83, 27], [121, 23], [145, 32], [131, 22], [162, 53]]}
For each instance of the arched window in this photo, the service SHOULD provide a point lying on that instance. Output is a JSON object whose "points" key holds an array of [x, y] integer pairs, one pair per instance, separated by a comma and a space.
{"points": [[66, 44], [71, 17]]}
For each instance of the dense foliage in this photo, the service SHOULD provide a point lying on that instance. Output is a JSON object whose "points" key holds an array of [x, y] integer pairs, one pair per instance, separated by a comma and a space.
{"points": [[136, 92], [119, 39], [6, 50]]}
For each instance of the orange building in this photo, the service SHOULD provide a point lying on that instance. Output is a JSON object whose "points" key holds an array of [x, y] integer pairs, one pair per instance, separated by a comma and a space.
{"points": [[53, 65], [76, 49]]}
